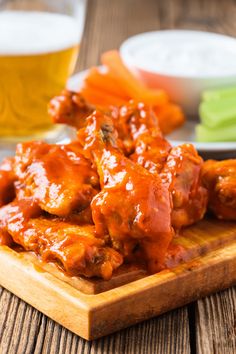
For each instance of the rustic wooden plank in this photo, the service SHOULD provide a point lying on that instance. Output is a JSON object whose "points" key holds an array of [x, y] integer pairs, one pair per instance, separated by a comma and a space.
{"points": [[109, 23], [93, 316], [216, 323], [148, 335], [154, 336], [16, 317], [38, 334]]}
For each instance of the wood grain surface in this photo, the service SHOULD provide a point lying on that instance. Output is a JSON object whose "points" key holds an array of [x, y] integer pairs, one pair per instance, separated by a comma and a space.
{"points": [[205, 327], [205, 268]]}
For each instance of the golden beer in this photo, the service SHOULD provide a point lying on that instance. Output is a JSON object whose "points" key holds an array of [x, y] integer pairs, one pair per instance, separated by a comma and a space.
{"points": [[33, 68]]}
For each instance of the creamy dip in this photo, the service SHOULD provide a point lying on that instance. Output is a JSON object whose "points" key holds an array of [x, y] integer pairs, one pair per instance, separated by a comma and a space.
{"points": [[182, 53]]}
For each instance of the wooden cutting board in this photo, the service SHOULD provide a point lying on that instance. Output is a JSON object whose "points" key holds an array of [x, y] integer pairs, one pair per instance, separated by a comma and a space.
{"points": [[206, 263]]}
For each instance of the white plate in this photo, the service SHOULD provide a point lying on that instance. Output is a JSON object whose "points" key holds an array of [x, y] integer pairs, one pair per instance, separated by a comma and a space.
{"points": [[75, 82], [186, 134]]}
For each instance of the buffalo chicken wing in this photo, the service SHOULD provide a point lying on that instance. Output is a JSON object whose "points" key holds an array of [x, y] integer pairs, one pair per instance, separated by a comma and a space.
{"points": [[7, 178], [133, 206], [219, 177], [181, 173], [58, 177], [138, 128], [69, 108], [74, 248]]}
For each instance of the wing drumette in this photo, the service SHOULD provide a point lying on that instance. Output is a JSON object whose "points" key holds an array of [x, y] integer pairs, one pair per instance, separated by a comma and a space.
{"points": [[133, 206], [138, 127], [58, 177], [69, 108], [180, 166], [181, 173], [16, 213], [219, 177]]}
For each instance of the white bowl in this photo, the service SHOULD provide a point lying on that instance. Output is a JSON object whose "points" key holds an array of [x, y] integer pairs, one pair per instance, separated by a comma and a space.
{"points": [[184, 63], [183, 135]]}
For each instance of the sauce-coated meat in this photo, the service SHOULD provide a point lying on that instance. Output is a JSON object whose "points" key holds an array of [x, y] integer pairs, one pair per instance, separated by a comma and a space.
{"points": [[133, 206], [219, 177], [69, 108], [181, 173], [137, 126], [118, 193], [58, 177], [74, 248], [7, 178], [150, 148]]}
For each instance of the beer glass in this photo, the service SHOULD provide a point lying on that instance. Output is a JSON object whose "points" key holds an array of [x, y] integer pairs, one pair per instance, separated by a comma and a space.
{"points": [[39, 43]]}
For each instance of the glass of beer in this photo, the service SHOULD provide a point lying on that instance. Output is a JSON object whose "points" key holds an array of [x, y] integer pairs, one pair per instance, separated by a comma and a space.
{"points": [[39, 43]]}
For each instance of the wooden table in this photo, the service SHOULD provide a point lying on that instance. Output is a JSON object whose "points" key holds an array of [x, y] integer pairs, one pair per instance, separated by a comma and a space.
{"points": [[205, 327]]}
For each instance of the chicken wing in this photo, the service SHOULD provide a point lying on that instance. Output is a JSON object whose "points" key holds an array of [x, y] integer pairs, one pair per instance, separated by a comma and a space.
{"points": [[73, 248], [59, 177], [219, 177], [16, 213], [7, 178], [69, 108], [133, 206], [181, 173], [139, 128]]}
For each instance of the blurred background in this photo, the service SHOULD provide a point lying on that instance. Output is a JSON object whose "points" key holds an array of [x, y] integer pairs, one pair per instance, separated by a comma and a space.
{"points": [[34, 71], [110, 22]]}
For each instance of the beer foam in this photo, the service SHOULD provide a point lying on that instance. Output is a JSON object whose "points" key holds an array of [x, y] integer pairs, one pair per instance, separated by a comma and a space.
{"points": [[28, 33]]}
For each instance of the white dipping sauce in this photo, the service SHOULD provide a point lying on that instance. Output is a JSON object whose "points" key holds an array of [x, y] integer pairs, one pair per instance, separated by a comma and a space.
{"points": [[182, 53]]}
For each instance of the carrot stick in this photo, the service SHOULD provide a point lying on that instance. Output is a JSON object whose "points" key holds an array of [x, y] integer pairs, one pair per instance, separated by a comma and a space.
{"points": [[132, 86], [101, 98], [105, 82]]}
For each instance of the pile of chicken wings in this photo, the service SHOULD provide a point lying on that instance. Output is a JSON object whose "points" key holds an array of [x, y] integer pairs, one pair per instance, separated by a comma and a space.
{"points": [[118, 193]]}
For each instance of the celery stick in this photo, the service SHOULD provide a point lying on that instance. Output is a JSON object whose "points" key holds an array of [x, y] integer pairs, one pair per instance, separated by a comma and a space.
{"points": [[217, 94], [217, 113], [205, 134]]}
